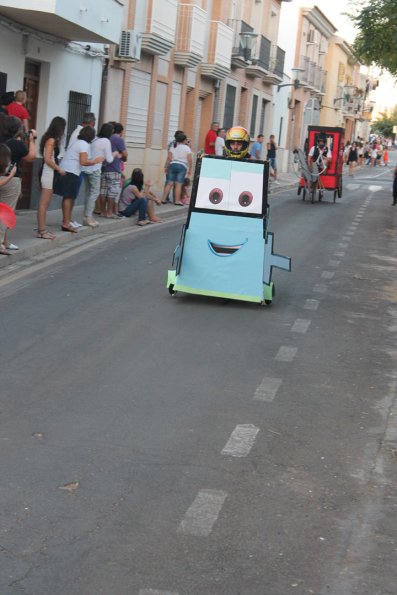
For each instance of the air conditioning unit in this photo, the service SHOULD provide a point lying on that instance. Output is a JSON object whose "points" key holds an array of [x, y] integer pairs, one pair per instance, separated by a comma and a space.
{"points": [[130, 45]]}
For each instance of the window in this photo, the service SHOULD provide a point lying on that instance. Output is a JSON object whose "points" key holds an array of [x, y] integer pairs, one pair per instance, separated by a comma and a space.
{"points": [[230, 101], [138, 102], [79, 104], [174, 110], [253, 115], [3, 83]]}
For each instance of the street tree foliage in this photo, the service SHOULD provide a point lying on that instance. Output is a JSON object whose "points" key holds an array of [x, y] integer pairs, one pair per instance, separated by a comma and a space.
{"points": [[376, 41], [383, 125]]}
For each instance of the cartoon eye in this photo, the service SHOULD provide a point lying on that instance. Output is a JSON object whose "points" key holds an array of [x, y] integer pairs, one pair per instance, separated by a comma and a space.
{"points": [[216, 196], [245, 199]]}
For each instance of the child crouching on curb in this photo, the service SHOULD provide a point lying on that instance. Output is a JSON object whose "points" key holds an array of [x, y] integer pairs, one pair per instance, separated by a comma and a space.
{"points": [[185, 196], [10, 189]]}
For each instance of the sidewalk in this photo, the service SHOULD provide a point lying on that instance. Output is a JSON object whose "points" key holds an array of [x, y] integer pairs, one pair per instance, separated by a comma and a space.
{"points": [[24, 234]]}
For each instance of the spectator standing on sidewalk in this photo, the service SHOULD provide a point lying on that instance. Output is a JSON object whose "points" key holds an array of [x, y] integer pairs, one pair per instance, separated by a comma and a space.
{"points": [[67, 186], [210, 139], [395, 186], [17, 108], [49, 149], [178, 167], [111, 174], [271, 157], [220, 142], [100, 147], [352, 158], [14, 137], [256, 149], [10, 189], [88, 119]]}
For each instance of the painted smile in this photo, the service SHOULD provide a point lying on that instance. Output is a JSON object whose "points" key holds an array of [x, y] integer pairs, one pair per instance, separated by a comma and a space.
{"points": [[223, 249]]}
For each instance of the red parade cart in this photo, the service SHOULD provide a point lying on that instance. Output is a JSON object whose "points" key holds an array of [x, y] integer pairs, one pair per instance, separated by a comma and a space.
{"points": [[324, 176]]}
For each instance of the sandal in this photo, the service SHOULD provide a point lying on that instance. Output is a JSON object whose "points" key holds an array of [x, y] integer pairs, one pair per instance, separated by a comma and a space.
{"points": [[69, 228], [4, 251], [44, 234]]}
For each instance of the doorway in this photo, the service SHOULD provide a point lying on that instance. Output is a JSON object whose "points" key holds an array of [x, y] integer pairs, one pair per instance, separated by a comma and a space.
{"points": [[31, 84]]}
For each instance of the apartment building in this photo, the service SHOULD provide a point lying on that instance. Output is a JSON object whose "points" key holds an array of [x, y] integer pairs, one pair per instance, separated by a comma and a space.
{"points": [[183, 64], [55, 52], [342, 104], [310, 31]]}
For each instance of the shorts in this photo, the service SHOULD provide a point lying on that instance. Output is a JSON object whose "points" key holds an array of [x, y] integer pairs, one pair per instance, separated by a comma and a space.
{"points": [[47, 177], [110, 185], [176, 172], [273, 163], [67, 186]]}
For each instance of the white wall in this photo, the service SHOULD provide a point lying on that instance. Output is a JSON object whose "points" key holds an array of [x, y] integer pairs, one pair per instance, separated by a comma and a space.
{"points": [[61, 71]]}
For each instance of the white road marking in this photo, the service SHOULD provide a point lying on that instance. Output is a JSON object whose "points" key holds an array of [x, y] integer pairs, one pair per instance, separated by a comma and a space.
{"points": [[286, 354], [320, 288], [241, 441], [311, 304], [333, 263], [300, 325], [350, 233], [374, 188], [155, 592], [341, 245], [203, 513], [339, 253], [353, 186], [328, 274], [346, 239], [267, 389]]}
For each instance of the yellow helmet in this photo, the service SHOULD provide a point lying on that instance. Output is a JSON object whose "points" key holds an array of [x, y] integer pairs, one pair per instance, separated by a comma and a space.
{"points": [[240, 135]]}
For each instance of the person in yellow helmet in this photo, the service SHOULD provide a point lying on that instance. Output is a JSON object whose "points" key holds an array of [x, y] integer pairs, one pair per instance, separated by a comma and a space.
{"points": [[237, 142]]}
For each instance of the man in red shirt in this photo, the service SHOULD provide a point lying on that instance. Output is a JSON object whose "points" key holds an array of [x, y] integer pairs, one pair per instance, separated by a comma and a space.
{"points": [[17, 108], [210, 138]]}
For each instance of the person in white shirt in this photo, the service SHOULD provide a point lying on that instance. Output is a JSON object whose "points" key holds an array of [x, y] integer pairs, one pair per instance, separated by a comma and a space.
{"points": [[100, 147], [88, 120], [77, 155], [320, 155], [220, 142], [178, 166]]}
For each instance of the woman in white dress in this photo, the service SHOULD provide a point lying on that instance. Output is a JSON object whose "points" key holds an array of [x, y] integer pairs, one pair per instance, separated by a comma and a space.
{"points": [[49, 149]]}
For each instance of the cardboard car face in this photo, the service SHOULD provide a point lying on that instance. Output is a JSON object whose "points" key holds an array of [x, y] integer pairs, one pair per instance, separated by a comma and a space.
{"points": [[231, 187]]}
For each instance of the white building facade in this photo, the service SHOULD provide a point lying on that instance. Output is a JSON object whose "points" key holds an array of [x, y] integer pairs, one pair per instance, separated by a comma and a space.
{"points": [[55, 51]]}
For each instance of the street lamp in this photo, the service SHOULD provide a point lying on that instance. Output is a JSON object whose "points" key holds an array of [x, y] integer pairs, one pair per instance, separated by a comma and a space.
{"points": [[247, 42], [296, 82]]}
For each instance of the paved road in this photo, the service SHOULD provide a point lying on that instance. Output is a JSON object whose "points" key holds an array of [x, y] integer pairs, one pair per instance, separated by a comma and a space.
{"points": [[188, 446]]}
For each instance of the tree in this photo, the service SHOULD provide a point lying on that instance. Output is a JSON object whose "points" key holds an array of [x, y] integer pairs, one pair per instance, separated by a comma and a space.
{"points": [[376, 40], [384, 123]]}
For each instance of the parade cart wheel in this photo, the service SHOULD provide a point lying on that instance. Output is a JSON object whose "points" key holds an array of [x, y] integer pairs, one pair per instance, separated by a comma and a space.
{"points": [[338, 190], [313, 192], [267, 301], [303, 192], [171, 290], [320, 195], [340, 187], [299, 189]]}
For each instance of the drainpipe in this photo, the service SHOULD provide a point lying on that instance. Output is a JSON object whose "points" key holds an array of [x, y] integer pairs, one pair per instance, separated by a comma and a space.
{"points": [[217, 86]]}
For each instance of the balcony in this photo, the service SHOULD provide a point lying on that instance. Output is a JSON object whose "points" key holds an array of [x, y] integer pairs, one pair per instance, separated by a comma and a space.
{"points": [[190, 37], [220, 42], [71, 20], [240, 54], [261, 63], [159, 34]]}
